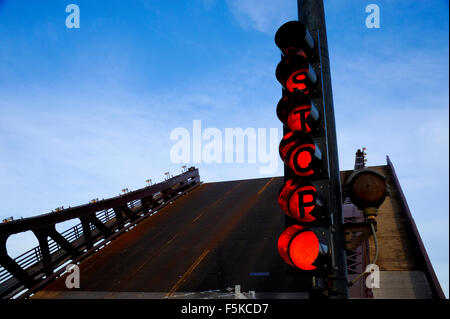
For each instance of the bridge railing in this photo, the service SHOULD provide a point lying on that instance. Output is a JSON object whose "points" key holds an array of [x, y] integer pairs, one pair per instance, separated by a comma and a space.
{"points": [[34, 255], [99, 220]]}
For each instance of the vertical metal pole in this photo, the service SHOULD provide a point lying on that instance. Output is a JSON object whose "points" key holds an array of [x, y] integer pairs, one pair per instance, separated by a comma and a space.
{"points": [[312, 14]]}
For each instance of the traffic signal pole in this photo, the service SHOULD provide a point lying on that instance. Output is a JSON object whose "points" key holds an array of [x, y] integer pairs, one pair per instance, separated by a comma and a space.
{"points": [[311, 13]]}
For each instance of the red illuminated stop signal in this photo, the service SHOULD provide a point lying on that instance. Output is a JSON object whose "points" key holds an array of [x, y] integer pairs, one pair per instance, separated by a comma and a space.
{"points": [[296, 120], [300, 153], [298, 113], [300, 200], [297, 81], [296, 75], [299, 247], [305, 196]]}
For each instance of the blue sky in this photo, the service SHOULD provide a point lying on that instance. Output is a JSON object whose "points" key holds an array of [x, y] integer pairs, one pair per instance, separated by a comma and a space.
{"points": [[86, 112]]}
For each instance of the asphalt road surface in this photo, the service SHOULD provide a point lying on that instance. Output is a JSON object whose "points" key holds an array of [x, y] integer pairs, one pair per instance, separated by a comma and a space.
{"points": [[216, 237]]}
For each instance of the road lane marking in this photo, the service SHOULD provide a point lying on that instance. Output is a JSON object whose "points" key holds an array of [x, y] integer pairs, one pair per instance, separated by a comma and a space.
{"points": [[218, 238], [215, 203], [187, 273], [170, 240], [195, 219], [265, 186], [221, 198], [150, 259]]}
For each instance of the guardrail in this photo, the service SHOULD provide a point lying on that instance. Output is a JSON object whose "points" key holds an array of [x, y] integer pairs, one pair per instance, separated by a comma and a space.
{"points": [[101, 222]]}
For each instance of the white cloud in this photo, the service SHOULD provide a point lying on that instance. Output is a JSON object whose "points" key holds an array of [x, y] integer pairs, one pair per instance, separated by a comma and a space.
{"points": [[263, 15]]}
